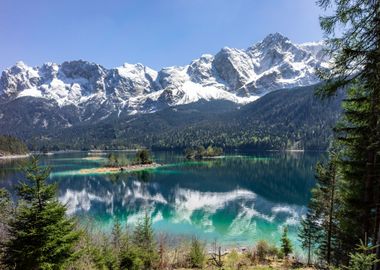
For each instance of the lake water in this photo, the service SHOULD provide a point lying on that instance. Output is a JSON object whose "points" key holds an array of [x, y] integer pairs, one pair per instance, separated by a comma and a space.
{"points": [[235, 200]]}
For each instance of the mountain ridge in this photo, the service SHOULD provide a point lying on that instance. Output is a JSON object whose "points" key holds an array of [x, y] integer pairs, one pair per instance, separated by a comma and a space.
{"points": [[238, 75], [81, 98], [283, 119]]}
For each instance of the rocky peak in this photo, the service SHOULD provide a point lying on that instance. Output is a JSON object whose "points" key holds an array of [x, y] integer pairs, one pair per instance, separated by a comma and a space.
{"points": [[238, 75], [275, 39]]}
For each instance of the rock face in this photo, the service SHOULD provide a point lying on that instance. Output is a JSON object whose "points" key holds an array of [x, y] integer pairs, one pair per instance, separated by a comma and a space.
{"points": [[78, 91]]}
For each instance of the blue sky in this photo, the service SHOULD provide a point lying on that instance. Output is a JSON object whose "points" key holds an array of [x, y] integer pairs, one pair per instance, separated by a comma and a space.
{"points": [[157, 33]]}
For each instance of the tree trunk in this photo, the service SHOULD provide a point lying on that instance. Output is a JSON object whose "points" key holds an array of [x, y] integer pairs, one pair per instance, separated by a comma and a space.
{"points": [[309, 252], [377, 265], [331, 210]]}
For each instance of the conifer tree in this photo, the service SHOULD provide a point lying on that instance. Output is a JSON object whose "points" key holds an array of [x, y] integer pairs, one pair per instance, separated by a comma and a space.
{"points": [[363, 258], [6, 211], [355, 49], [324, 204], [197, 253], [116, 235], [40, 234], [116, 245], [143, 239], [286, 245], [309, 234]]}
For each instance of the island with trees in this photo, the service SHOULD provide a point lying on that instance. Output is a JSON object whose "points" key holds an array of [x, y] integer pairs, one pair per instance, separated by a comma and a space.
{"points": [[115, 164], [340, 230], [200, 152], [57, 241]]}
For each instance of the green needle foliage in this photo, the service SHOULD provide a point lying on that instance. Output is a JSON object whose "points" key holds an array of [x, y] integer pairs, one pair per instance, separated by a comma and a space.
{"points": [[40, 234], [286, 245], [145, 244], [309, 234], [12, 146], [197, 253], [347, 199], [363, 258]]}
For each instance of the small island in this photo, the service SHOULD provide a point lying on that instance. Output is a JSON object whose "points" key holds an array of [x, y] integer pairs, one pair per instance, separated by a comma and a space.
{"points": [[200, 152], [116, 164]]}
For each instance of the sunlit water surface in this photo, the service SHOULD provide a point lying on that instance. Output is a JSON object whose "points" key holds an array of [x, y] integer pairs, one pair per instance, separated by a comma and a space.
{"points": [[235, 200]]}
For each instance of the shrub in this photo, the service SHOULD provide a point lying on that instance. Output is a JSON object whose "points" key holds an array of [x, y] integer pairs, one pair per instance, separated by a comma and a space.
{"points": [[262, 250], [197, 253]]}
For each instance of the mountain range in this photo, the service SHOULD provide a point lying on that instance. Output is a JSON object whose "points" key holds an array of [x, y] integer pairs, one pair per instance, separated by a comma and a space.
{"points": [[37, 102]]}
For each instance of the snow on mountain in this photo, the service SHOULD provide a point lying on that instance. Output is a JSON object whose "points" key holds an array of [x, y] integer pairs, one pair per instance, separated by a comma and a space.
{"points": [[232, 74]]}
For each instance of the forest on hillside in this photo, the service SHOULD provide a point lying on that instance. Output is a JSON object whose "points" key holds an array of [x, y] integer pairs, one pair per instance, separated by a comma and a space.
{"points": [[284, 119], [12, 146]]}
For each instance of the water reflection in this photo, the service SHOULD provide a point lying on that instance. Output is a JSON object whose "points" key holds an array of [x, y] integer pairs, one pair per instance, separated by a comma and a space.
{"points": [[236, 199]]}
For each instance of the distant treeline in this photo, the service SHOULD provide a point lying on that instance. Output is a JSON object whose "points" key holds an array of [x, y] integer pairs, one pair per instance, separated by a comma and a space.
{"points": [[281, 120], [12, 146]]}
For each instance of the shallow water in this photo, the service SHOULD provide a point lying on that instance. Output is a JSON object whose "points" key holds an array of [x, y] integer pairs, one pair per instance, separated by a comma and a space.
{"points": [[236, 200]]}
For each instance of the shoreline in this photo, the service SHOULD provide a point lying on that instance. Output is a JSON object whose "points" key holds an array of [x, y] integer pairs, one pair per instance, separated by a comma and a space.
{"points": [[14, 156], [129, 168]]}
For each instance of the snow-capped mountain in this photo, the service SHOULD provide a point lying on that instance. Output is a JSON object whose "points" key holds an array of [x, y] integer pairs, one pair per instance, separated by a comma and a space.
{"points": [[93, 92]]}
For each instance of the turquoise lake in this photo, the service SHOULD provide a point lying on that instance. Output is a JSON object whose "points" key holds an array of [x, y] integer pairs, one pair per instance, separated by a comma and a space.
{"points": [[235, 200]]}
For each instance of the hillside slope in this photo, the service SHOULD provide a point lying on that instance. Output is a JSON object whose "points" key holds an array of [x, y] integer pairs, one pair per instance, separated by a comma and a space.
{"points": [[285, 119]]}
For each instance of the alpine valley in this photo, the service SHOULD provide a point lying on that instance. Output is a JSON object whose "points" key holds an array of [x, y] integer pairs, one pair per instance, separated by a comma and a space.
{"points": [[261, 98]]}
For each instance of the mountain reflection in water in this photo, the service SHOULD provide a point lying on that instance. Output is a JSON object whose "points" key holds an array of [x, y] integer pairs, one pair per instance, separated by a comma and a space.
{"points": [[237, 199]]}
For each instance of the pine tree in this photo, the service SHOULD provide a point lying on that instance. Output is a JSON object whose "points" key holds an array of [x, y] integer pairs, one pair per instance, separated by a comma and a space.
{"points": [[143, 239], [286, 245], [357, 186], [325, 204], [363, 258], [6, 211], [309, 234], [40, 234], [356, 59], [197, 253], [117, 244], [108, 254], [116, 235]]}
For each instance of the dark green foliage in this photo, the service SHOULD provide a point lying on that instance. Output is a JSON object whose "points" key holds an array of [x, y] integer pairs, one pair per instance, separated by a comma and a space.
{"points": [[112, 160], [12, 146], [356, 61], [109, 254], [354, 215], [344, 201], [143, 156], [321, 229], [145, 246], [40, 234], [197, 253], [117, 161], [324, 207], [200, 152], [309, 234], [112, 251], [6, 211], [117, 235], [363, 258], [360, 171], [286, 245], [131, 259], [6, 206], [283, 119], [95, 251]]}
